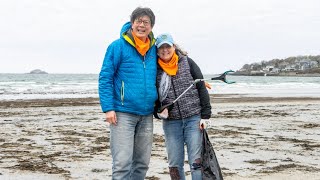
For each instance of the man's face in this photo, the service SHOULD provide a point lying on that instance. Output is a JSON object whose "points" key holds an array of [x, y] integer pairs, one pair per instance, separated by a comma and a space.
{"points": [[142, 27]]}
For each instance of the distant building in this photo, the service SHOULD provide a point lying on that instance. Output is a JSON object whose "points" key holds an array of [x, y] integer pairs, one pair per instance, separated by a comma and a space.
{"points": [[275, 70], [314, 64], [304, 65], [289, 68], [268, 68]]}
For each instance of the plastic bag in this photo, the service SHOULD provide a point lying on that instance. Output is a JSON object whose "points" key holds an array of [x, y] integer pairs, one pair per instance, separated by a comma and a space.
{"points": [[210, 165]]}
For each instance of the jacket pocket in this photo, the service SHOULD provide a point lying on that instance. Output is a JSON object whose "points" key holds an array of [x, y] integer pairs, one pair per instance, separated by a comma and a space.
{"points": [[122, 92]]}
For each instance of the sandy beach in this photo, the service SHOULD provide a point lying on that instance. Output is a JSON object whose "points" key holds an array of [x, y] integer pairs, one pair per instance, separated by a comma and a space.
{"points": [[254, 138]]}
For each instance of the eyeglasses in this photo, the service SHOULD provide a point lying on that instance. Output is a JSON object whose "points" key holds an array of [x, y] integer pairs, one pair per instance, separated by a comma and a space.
{"points": [[145, 22]]}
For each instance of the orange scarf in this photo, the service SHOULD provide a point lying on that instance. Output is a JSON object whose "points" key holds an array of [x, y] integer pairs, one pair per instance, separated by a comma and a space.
{"points": [[171, 67], [142, 47]]}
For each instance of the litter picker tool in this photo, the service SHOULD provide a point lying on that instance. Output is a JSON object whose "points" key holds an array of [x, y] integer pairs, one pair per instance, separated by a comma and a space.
{"points": [[222, 77]]}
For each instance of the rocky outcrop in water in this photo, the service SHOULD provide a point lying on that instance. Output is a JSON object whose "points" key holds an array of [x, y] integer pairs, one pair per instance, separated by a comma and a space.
{"points": [[37, 71]]}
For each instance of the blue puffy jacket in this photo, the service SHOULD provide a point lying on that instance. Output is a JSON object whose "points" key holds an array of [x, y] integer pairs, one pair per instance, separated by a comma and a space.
{"points": [[127, 81]]}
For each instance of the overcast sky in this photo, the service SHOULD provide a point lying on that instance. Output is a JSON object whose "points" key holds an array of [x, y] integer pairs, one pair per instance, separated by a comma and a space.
{"points": [[71, 36]]}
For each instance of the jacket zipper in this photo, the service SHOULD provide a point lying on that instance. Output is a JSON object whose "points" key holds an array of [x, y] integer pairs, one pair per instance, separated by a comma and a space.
{"points": [[122, 93], [144, 74], [144, 64]]}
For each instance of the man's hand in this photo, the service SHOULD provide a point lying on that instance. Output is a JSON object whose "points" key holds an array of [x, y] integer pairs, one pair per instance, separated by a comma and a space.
{"points": [[205, 123], [111, 117]]}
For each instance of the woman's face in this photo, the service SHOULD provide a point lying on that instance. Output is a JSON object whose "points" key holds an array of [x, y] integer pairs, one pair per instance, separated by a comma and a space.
{"points": [[142, 27], [165, 52]]}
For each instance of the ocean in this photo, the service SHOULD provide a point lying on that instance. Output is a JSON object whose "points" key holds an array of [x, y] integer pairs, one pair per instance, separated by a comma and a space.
{"points": [[269, 86], [49, 86]]}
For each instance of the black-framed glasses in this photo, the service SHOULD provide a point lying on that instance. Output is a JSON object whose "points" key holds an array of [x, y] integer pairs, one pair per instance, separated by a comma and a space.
{"points": [[145, 22]]}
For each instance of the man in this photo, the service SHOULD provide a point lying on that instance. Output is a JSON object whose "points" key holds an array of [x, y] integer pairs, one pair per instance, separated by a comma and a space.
{"points": [[127, 90]]}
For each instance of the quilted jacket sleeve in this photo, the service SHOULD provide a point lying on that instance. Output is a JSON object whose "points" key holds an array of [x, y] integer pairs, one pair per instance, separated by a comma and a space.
{"points": [[106, 76]]}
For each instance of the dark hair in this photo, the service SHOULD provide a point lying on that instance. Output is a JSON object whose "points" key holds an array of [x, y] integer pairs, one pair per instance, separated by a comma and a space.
{"points": [[139, 11]]}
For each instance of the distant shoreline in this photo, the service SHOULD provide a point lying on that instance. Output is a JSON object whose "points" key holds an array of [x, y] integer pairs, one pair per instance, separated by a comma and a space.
{"points": [[279, 75]]}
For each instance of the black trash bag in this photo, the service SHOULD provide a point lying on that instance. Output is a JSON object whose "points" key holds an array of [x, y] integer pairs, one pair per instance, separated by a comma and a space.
{"points": [[210, 165]]}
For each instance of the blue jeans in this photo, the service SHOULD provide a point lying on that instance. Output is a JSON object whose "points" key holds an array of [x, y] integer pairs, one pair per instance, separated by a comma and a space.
{"points": [[180, 132], [131, 142]]}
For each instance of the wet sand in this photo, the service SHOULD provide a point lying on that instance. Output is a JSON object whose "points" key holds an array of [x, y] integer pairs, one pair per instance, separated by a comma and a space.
{"points": [[254, 138]]}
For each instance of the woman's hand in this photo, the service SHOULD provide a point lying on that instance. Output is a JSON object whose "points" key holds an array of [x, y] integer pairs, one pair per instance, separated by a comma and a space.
{"points": [[205, 123], [207, 85], [164, 114]]}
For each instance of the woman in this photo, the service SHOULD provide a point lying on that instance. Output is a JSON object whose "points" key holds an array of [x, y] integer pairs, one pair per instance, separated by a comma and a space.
{"points": [[182, 123]]}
